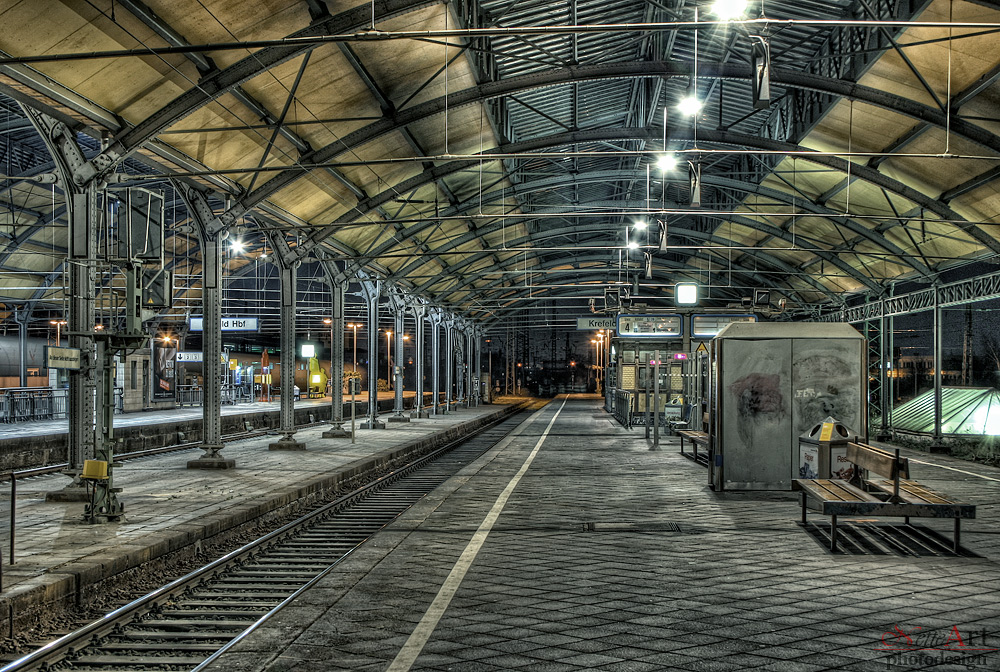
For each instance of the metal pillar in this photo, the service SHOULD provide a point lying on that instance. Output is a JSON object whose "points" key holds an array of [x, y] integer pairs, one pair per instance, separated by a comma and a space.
{"points": [[884, 401], [478, 379], [449, 361], [419, 313], [468, 366], [371, 290], [211, 339], [21, 318], [288, 275], [397, 303], [436, 319], [337, 431], [937, 445]]}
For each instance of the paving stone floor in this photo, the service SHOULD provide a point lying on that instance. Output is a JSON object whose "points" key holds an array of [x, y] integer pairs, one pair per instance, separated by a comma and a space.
{"points": [[610, 556]]}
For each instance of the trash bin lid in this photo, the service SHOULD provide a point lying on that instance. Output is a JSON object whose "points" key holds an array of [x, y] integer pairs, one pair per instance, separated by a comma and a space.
{"points": [[838, 432]]}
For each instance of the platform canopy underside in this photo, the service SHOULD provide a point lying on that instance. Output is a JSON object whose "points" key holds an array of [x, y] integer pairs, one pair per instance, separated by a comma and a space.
{"points": [[494, 156]]}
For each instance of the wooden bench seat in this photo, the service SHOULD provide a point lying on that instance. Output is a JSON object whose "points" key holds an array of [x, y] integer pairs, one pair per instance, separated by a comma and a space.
{"points": [[893, 495], [696, 438]]}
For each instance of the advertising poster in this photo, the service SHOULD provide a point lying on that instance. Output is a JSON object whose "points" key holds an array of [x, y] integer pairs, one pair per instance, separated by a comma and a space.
{"points": [[164, 357]]}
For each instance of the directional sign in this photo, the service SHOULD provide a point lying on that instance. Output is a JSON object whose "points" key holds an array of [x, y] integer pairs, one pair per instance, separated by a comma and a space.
{"points": [[649, 326], [594, 323], [189, 357], [62, 358], [228, 324]]}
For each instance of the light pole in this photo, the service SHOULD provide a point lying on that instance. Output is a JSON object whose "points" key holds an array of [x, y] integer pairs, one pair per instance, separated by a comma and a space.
{"points": [[355, 327], [59, 324]]}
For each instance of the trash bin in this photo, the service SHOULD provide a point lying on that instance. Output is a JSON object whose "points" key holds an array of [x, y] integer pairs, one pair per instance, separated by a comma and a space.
{"points": [[823, 451]]}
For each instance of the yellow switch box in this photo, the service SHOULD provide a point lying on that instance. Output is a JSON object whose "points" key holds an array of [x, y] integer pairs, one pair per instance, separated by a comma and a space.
{"points": [[96, 470]]}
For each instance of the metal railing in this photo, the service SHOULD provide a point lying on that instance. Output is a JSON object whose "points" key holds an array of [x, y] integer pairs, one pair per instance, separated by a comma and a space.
{"points": [[194, 395], [624, 403], [23, 404]]}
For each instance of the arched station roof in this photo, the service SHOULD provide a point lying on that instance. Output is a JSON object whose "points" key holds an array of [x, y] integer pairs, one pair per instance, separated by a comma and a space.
{"points": [[495, 155]]}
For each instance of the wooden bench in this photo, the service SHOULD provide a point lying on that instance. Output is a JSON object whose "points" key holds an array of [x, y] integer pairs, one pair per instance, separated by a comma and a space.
{"points": [[892, 495], [697, 438]]}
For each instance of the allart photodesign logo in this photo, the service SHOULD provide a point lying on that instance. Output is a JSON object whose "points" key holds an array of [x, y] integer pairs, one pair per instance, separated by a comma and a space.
{"points": [[914, 646]]}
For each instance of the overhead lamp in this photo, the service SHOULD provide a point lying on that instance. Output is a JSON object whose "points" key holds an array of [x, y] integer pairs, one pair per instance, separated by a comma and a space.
{"points": [[694, 183], [666, 162], [689, 105], [308, 351], [237, 246], [686, 293], [632, 245], [729, 10], [760, 56], [639, 224]]}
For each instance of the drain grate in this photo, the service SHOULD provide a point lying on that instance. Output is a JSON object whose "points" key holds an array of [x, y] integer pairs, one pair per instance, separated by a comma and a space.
{"points": [[650, 526]]}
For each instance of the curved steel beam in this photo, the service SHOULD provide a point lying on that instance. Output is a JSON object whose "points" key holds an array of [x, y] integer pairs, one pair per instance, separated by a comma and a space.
{"points": [[601, 227], [603, 71], [808, 208], [716, 137]]}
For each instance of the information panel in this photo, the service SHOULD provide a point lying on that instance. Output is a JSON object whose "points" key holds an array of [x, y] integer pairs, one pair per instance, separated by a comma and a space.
{"points": [[594, 323], [650, 326], [707, 326], [228, 324]]}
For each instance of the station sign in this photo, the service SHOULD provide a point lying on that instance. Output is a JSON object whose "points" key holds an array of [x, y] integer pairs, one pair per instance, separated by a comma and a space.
{"points": [[62, 358], [185, 357], [650, 326], [594, 323], [707, 326], [228, 324]]}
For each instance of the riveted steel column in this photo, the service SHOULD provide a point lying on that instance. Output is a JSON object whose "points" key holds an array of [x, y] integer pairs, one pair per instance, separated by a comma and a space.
{"points": [[400, 315], [419, 311], [479, 365], [449, 360], [435, 360], [337, 431], [372, 290], [468, 367], [288, 274], [211, 352], [937, 445]]}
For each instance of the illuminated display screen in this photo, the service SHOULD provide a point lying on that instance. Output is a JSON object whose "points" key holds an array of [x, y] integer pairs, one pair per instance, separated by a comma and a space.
{"points": [[706, 326], [650, 326]]}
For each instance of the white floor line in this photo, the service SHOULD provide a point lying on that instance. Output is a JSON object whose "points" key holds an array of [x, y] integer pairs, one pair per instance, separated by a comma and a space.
{"points": [[425, 628], [961, 471]]}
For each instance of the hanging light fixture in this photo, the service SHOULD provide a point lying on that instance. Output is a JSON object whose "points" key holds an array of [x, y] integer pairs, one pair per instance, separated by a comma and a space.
{"points": [[729, 10]]}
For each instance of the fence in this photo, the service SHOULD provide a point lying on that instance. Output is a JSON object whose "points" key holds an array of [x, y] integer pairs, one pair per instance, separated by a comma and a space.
{"points": [[25, 404]]}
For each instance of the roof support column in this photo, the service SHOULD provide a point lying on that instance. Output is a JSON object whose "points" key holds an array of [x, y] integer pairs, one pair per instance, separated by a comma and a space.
{"points": [[210, 233], [449, 359], [337, 290], [478, 378], [397, 304], [419, 313], [288, 274], [937, 445], [469, 387], [371, 290], [435, 318]]}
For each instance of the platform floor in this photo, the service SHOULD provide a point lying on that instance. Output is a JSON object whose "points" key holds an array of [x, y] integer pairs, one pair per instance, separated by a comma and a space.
{"points": [[573, 546], [162, 497]]}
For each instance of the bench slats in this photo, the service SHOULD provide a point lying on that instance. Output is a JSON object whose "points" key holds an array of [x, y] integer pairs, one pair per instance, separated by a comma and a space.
{"points": [[916, 493], [834, 490]]}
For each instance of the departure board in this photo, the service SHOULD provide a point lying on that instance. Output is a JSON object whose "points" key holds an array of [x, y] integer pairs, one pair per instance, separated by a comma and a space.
{"points": [[706, 326], [650, 326]]}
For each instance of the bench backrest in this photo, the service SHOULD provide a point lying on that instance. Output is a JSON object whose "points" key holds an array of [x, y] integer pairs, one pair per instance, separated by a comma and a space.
{"points": [[879, 461]]}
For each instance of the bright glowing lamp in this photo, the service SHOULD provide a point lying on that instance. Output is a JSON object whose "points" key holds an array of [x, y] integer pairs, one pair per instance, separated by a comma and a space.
{"points": [[308, 350], [689, 105], [237, 246], [666, 162], [729, 10], [639, 224], [315, 379], [686, 294], [632, 245]]}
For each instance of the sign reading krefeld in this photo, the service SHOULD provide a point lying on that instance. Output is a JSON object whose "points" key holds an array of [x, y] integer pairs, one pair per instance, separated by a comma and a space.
{"points": [[594, 323]]}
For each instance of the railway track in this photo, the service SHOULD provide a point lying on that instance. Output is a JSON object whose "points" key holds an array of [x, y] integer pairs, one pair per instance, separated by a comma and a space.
{"points": [[189, 621]]}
